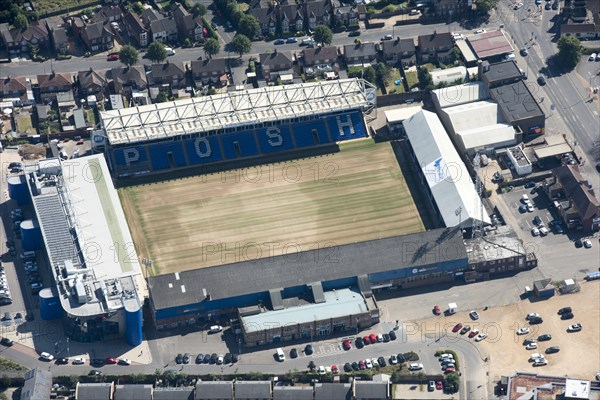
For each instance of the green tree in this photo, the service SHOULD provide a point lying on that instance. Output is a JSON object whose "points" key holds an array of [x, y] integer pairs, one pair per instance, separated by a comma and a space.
{"points": [[452, 381], [425, 80], [569, 52], [248, 26], [161, 98], [198, 10], [212, 47], [128, 55], [20, 21], [156, 52], [137, 7], [383, 73], [323, 34], [485, 6], [240, 44]]}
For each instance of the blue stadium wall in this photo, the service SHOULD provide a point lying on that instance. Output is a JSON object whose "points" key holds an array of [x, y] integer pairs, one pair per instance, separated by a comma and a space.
{"points": [[180, 152]]}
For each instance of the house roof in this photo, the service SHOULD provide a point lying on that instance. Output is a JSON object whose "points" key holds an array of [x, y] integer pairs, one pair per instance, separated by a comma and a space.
{"points": [[318, 8], [276, 58], [333, 391], [435, 40], [128, 75], [94, 391], [37, 385], [110, 12], [96, 31], [209, 65], [263, 13], [206, 390], [578, 28], [10, 84], [35, 30], [289, 11], [398, 46], [252, 390], [149, 15], [59, 35], [577, 189], [90, 78], [163, 25], [174, 393], [55, 79], [167, 69], [490, 44], [366, 49], [293, 393], [516, 101], [315, 55], [371, 390], [133, 392], [134, 23], [502, 71]]}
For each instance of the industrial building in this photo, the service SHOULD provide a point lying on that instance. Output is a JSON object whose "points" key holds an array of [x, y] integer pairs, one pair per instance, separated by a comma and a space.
{"points": [[519, 160], [451, 190], [459, 94], [395, 117], [448, 76], [81, 230], [490, 45], [519, 108]]}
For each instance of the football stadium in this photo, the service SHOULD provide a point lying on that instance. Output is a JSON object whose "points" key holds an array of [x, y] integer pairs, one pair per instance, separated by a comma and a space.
{"points": [[270, 210]]}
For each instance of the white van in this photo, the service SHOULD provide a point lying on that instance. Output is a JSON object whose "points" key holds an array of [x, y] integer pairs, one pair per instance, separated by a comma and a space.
{"points": [[280, 355], [170, 51]]}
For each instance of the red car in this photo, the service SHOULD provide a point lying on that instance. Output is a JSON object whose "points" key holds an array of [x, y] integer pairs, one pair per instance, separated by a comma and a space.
{"points": [[346, 344], [362, 365], [80, 141], [436, 310], [373, 338], [474, 333], [367, 340], [450, 369], [439, 385], [111, 360], [457, 327], [112, 57], [334, 369]]}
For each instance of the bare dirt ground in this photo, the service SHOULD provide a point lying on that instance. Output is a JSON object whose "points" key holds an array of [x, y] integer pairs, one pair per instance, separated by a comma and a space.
{"points": [[355, 195], [578, 356]]}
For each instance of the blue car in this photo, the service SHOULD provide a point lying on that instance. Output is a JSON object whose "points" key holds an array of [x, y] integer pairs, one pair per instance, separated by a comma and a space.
{"points": [[291, 40], [538, 2], [279, 41]]}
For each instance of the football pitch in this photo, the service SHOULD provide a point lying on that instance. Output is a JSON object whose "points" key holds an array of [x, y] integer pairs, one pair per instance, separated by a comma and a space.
{"points": [[354, 195]]}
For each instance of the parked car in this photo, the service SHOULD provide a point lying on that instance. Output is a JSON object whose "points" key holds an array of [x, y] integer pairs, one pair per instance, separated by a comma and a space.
{"points": [[179, 358], [46, 356], [373, 338], [457, 327], [393, 359], [216, 328], [291, 40], [574, 328], [465, 329], [552, 350], [347, 367], [6, 342], [293, 353], [415, 366], [366, 340], [359, 342], [524, 53], [368, 363], [567, 316], [431, 386], [387, 37], [308, 349], [436, 310], [480, 337], [480, 31], [523, 331], [95, 372], [112, 57], [474, 333], [392, 335], [186, 358], [279, 41], [346, 344], [354, 33], [474, 315], [545, 337], [78, 361], [543, 231], [111, 360], [61, 361], [536, 320], [199, 358], [381, 361], [386, 337], [528, 341], [531, 346], [587, 243], [592, 57], [541, 80]]}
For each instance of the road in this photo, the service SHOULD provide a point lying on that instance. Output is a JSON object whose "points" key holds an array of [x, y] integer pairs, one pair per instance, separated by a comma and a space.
{"points": [[472, 363], [572, 114], [98, 61]]}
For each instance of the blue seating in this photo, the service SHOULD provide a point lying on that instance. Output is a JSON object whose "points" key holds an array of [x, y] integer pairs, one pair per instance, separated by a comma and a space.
{"points": [[167, 155], [275, 139], [238, 145], [346, 126], [203, 150], [304, 133], [126, 156]]}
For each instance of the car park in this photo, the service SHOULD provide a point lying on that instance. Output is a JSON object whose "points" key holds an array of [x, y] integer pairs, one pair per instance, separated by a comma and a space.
{"points": [[574, 328], [474, 315]]}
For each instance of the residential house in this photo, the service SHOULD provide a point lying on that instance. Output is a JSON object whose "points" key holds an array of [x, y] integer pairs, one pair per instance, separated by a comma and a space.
{"points": [[94, 391], [37, 385], [58, 35], [133, 392], [109, 13], [91, 83], [578, 206], [16, 90], [136, 29], [181, 393], [443, 8], [167, 77], [164, 30], [399, 50], [18, 40], [97, 37], [126, 80], [209, 390], [293, 393], [319, 60], [188, 26], [367, 390], [291, 17], [213, 70], [265, 13], [435, 47], [149, 15], [318, 12], [345, 16], [252, 390], [274, 63], [360, 53], [333, 391], [51, 84]]}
